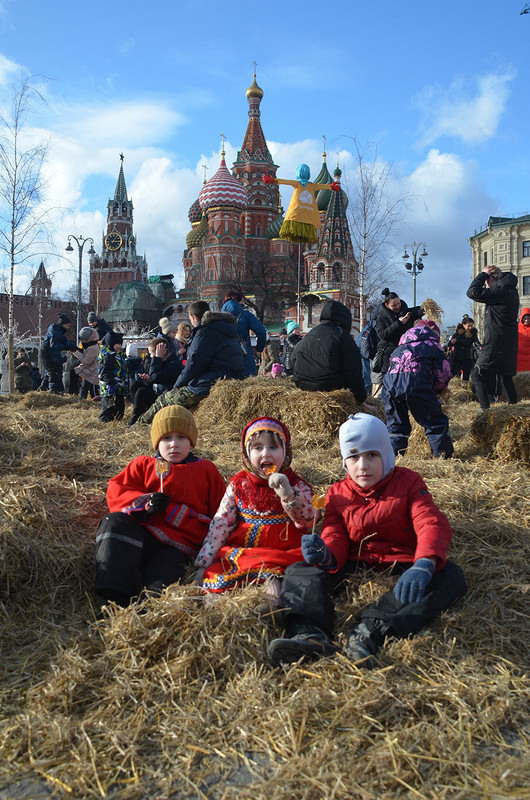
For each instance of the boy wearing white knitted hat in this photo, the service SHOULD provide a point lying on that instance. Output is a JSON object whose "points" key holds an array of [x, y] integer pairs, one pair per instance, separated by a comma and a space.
{"points": [[379, 517]]}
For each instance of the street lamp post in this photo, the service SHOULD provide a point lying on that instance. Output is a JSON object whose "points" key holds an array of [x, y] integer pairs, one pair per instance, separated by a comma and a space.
{"points": [[417, 263], [80, 245]]}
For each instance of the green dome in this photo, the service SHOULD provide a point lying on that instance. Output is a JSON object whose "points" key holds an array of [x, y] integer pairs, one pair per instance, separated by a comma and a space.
{"points": [[273, 228], [197, 234]]}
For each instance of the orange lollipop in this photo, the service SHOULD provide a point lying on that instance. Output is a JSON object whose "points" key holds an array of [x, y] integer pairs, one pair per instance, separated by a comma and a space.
{"points": [[270, 470], [161, 469], [318, 501]]}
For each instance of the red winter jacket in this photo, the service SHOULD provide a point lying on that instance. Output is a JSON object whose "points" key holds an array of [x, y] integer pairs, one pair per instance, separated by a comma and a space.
{"points": [[523, 353], [395, 520], [196, 490]]}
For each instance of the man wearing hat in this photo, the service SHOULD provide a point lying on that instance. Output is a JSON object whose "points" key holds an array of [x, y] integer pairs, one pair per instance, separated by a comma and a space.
{"points": [[99, 324], [53, 352]]}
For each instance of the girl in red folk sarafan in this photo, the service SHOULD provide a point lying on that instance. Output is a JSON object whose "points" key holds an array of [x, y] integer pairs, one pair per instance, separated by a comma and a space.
{"points": [[257, 529]]}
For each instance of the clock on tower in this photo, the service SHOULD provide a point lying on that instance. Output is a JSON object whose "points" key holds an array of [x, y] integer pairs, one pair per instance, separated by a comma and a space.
{"points": [[113, 241]]}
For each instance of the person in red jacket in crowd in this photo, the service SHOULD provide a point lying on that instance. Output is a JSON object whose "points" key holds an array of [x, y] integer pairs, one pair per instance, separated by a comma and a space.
{"points": [[381, 517], [523, 352], [160, 509]]}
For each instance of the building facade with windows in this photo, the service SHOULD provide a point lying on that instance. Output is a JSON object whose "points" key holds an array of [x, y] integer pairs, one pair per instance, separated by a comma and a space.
{"points": [[505, 242]]}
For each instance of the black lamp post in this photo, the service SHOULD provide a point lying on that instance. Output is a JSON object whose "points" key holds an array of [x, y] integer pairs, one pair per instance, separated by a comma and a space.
{"points": [[417, 263], [80, 245]]}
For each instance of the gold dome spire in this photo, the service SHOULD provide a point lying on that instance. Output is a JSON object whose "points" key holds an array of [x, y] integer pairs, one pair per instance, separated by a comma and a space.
{"points": [[254, 90]]}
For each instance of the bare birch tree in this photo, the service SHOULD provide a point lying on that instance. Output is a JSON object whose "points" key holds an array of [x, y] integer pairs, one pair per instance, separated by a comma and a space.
{"points": [[375, 216], [22, 219]]}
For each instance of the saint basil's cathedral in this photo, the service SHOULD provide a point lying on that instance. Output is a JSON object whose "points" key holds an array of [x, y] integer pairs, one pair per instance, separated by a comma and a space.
{"points": [[234, 243]]}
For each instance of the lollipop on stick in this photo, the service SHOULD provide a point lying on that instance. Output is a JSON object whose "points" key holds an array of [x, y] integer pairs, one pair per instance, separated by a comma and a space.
{"points": [[162, 469], [318, 502]]}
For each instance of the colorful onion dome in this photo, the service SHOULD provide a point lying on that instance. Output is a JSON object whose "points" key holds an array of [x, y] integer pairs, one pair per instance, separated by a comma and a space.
{"points": [[223, 190], [272, 230], [337, 175], [324, 195], [197, 234], [195, 213]]}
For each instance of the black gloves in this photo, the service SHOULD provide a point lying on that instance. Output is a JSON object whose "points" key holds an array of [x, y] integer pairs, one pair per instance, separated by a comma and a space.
{"points": [[157, 502]]}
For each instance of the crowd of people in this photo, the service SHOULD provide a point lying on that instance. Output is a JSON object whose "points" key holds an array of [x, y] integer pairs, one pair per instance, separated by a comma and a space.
{"points": [[173, 511]]}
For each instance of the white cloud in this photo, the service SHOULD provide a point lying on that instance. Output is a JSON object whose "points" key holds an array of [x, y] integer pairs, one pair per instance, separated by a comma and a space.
{"points": [[451, 202], [458, 112], [128, 124], [8, 69]]}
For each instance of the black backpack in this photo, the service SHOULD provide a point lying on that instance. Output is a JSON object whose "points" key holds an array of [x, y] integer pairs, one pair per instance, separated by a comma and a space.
{"points": [[369, 341]]}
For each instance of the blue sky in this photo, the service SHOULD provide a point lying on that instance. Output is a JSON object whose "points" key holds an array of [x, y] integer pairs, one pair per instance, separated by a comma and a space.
{"points": [[441, 89]]}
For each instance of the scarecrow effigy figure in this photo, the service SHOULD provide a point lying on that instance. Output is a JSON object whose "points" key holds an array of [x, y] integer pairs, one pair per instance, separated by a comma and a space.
{"points": [[302, 217]]}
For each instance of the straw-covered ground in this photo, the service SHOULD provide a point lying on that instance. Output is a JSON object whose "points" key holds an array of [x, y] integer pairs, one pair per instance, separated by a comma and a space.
{"points": [[175, 699]]}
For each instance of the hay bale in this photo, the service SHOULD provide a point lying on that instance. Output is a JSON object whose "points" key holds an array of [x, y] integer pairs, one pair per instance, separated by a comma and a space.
{"points": [[488, 426], [522, 384], [514, 441], [313, 418]]}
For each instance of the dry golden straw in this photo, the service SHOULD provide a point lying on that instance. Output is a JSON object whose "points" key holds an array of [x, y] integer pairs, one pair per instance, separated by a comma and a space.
{"points": [[175, 699]]}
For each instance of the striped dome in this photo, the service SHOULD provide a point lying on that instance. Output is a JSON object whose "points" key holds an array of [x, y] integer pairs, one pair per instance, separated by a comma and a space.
{"points": [[195, 213], [223, 190]]}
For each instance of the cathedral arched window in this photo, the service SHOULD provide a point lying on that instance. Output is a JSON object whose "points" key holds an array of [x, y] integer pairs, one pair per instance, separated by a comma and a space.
{"points": [[124, 208], [115, 208], [258, 230], [337, 273]]}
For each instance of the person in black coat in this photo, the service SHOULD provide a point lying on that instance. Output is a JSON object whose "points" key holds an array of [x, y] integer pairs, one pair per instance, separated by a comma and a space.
{"points": [[99, 324], [52, 352], [394, 318], [159, 372], [327, 358], [214, 352], [498, 291], [462, 348]]}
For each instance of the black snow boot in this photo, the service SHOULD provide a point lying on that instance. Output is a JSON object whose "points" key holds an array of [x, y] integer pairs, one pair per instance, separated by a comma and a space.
{"points": [[365, 641], [304, 641]]}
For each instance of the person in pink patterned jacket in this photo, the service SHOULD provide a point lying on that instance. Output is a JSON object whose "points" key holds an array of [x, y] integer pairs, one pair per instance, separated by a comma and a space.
{"points": [[418, 374]]}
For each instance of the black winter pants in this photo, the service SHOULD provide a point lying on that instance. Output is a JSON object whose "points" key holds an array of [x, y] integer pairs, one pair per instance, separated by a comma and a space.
{"points": [[130, 558], [55, 375], [485, 383], [112, 407], [426, 409], [142, 397], [86, 389], [308, 592]]}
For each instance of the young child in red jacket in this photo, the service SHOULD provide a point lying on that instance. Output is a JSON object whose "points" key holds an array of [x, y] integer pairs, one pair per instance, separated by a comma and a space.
{"points": [[256, 532], [160, 509], [384, 518]]}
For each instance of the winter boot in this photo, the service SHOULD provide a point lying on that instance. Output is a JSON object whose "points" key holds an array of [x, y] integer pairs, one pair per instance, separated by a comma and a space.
{"points": [[304, 641], [364, 642]]}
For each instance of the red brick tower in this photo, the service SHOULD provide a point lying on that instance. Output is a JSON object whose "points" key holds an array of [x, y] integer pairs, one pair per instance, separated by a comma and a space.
{"points": [[119, 263]]}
